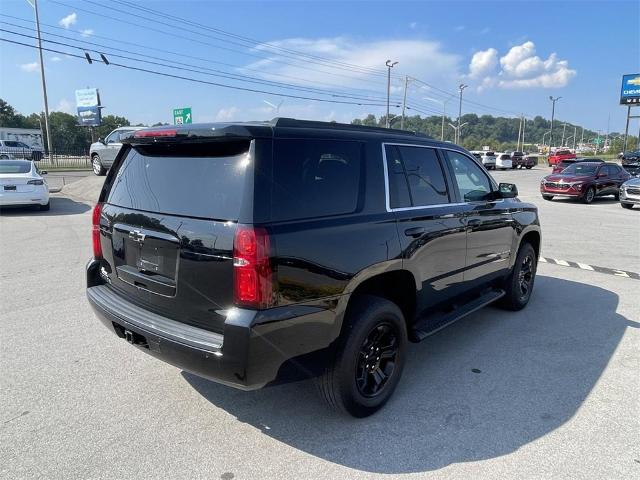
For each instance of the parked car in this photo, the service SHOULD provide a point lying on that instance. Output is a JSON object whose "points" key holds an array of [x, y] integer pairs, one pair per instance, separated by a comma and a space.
{"points": [[488, 159], [503, 161], [523, 160], [245, 253], [560, 155], [103, 152], [630, 193], [21, 183], [584, 181], [631, 158], [562, 164], [12, 149]]}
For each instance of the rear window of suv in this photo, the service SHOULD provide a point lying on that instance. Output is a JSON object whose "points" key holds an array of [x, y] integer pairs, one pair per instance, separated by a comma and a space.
{"points": [[315, 178], [203, 180]]}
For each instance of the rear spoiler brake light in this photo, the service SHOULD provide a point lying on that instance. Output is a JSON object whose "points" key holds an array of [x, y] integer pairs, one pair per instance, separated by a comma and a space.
{"points": [[155, 133]]}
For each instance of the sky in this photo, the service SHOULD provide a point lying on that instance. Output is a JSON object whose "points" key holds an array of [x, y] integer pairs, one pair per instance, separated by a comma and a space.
{"points": [[512, 55]]}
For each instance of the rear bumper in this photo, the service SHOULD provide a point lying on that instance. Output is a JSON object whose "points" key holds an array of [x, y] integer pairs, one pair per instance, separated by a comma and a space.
{"points": [[26, 198], [251, 352]]}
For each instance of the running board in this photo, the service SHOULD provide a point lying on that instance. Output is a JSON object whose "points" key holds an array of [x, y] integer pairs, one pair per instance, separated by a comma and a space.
{"points": [[437, 321]]}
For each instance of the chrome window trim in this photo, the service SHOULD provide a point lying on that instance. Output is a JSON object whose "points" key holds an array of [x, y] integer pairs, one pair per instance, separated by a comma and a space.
{"points": [[439, 205]]}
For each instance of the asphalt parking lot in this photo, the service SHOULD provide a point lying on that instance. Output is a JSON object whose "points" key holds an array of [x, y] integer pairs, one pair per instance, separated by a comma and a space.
{"points": [[549, 392]]}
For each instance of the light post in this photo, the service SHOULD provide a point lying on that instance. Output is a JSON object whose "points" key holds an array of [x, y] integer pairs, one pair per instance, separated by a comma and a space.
{"points": [[553, 112], [564, 128], [389, 65], [456, 129], [444, 113], [544, 135], [461, 88]]}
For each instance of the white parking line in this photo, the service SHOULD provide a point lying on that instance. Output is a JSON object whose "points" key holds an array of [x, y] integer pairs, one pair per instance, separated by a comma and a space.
{"points": [[584, 266]]}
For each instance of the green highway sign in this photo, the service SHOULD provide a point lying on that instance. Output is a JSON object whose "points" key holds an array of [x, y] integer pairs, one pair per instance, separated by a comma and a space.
{"points": [[182, 115]]}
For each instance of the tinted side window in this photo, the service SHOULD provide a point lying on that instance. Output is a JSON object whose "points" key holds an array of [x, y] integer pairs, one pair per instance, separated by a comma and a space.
{"points": [[315, 178], [473, 183], [424, 176], [613, 171], [398, 187]]}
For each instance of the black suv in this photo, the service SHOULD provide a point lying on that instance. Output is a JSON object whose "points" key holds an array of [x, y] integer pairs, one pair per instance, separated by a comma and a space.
{"points": [[256, 253]]}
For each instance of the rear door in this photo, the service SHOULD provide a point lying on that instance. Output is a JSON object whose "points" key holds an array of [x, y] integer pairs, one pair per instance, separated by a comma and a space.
{"points": [[172, 212], [490, 228], [111, 149], [430, 225]]}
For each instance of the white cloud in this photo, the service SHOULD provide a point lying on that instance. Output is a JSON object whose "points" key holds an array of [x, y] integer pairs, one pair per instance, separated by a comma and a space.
{"points": [[30, 67], [227, 114], [483, 63], [65, 106], [69, 20], [520, 68], [426, 60], [55, 59], [87, 32]]}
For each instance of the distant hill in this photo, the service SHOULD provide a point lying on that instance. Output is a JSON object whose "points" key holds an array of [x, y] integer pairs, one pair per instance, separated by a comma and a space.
{"points": [[499, 133]]}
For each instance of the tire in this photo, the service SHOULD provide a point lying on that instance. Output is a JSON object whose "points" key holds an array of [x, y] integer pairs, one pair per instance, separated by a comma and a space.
{"points": [[589, 195], [547, 197], [4, 157], [96, 166], [45, 208], [529, 167], [519, 283], [626, 205], [616, 196], [353, 381]]}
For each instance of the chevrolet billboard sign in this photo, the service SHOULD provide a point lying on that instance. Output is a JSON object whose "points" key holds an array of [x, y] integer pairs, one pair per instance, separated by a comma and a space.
{"points": [[630, 92]]}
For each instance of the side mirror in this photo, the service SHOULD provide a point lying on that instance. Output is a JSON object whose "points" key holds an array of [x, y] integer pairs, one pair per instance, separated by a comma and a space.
{"points": [[507, 190], [101, 140], [43, 172]]}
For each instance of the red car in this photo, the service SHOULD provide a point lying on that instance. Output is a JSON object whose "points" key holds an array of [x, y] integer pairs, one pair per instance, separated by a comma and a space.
{"points": [[560, 155], [560, 166], [584, 181]]}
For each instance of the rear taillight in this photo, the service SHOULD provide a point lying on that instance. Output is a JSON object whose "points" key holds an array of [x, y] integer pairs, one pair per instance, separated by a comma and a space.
{"points": [[35, 182], [95, 231], [252, 282]]}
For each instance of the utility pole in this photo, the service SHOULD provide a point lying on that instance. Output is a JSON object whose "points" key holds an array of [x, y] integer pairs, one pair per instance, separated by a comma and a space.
{"points": [[44, 82], [582, 138], [597, 142], [524, 125], [564, 128], [461, 88], [519, 133], [626, 129], [606, 139], [389, 65], [404, 101], [544, 135], [553, 111], [575, 130]]}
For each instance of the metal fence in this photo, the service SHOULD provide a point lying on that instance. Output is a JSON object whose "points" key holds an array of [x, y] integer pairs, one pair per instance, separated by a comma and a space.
{"points": [[67, 158]]}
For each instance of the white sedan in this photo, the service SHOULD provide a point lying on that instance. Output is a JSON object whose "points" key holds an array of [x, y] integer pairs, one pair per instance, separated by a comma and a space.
{"points": [[22, 184], [503, 161]]}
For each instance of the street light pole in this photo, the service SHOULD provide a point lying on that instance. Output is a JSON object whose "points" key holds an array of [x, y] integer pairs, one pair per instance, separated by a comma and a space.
{"points": [[564, 128], [575, 130], [524, 125], [389, 65], [544, 135], [44, 83], [553, 112], [404, 101], [461, 88], [444, 113]]}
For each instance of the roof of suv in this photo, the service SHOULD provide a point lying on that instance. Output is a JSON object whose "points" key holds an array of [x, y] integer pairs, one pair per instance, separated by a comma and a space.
{"points": [[275, 127]]}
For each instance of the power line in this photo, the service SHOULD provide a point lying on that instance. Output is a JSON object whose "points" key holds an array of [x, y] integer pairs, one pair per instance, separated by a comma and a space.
{"points": [[196, 69], [170, 52], [195, 80], [174, 35], [251, 41]]}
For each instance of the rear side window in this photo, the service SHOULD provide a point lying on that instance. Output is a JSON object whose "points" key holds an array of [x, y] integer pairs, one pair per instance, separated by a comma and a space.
{"points": [[315, 178], [415, 177], [205, 180]]}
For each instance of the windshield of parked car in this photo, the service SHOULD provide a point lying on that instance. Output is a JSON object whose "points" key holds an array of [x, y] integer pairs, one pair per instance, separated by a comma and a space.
{"points": [[581, 169], [14, 166]]}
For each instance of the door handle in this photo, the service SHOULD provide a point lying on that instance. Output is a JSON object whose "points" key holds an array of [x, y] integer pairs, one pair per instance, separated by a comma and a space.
{"points": [[414, 232], [474, 222]]}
